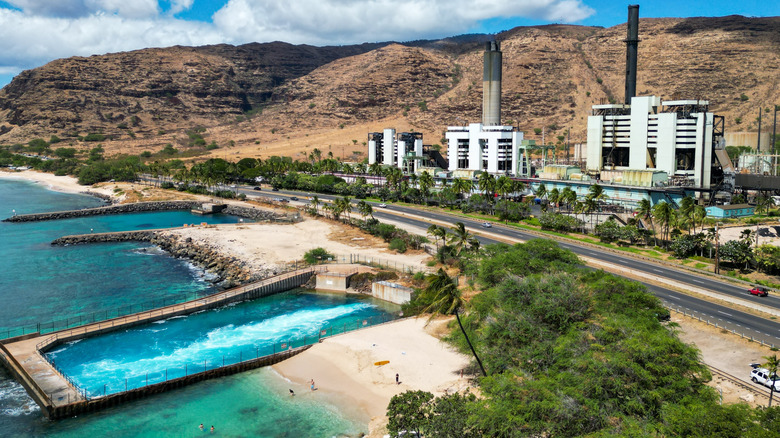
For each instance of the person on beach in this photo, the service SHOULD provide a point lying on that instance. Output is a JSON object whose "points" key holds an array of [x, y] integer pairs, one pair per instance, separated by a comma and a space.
{"points": [[292, 393], [397, 382], [312, 385]]}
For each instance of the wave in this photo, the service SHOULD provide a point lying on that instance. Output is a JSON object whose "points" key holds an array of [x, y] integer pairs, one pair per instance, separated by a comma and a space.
{"points": [[227, 340]]}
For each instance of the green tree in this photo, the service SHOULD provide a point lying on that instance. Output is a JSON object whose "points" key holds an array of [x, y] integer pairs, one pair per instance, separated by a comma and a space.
{"points": [[645, 212], [445, 299], [664, 214], [462, 239], [439, 233], [771, 364], [409, 412], [317, 255]]}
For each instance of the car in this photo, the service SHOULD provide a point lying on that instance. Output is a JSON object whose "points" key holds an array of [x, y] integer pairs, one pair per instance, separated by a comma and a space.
{"points": [[759, 290], [383, 205], [487, 225], [257, 188], [761, 375], [293, 198]]}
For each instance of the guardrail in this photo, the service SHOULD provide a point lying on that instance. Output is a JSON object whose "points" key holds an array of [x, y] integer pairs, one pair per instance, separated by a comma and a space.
{"points": [[712, 322]]}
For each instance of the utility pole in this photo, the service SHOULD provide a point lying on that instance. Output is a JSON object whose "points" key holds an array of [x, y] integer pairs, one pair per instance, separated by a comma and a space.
{"points": [[773, 149], [758, 144], [568, 144]]}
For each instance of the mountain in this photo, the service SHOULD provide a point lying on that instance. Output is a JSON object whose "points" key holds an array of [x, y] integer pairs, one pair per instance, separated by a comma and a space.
{"points": [[277, 98]]}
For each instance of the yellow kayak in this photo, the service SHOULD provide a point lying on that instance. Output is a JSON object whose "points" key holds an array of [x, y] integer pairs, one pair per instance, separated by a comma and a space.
{"points": [[381, 362]]}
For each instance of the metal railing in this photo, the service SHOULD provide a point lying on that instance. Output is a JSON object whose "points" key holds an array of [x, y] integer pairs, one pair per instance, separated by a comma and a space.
{"points": [[214, 362], [713, 321], [119, 312], [169, 310]]}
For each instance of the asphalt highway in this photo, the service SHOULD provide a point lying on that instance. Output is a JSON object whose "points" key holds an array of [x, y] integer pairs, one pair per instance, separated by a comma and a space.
{"points": [[748, 325]]}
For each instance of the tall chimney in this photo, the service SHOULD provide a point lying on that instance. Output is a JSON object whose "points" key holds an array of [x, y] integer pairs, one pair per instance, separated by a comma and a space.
{"points": [[632, 41], [491, 85]]}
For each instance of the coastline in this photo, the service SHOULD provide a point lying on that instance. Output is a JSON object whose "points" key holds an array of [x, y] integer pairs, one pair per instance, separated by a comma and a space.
{"points": [[343, 367], [64, 184]]}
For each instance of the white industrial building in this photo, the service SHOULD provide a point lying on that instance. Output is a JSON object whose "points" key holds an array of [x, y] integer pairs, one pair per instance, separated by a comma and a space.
{"points": [[677, 137], [403, 151], [492, 149], [487, 146]]}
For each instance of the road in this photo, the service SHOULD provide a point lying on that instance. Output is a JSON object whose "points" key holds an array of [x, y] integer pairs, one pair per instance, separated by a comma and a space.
{"points": [[744, 323]]}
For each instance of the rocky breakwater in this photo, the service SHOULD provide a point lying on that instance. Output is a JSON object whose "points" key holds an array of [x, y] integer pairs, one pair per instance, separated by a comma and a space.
{"points": [[260, 215], [112, 209], [227, 271]]}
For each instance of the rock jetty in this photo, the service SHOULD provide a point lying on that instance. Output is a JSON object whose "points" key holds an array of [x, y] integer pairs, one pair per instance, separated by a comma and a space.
{"points": [[228, 271], [111, 209]]}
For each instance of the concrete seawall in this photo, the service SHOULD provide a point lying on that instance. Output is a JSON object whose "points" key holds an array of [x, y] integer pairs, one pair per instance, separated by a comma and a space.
{"points": [[254, 214]]}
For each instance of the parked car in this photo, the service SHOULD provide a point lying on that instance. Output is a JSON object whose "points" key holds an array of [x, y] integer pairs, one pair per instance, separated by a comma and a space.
{"points": [[257, 188], [759, 290], [383, 205], [487, 225], [293, 198], [761, 375]]}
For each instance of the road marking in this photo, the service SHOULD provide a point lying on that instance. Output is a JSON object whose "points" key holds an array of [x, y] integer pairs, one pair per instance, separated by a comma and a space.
{"points": [[658, 270], [676, 298], [697, 281], [727, 314]]}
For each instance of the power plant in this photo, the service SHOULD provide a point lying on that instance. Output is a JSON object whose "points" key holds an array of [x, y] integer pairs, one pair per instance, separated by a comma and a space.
{"points": [[644, 148]]}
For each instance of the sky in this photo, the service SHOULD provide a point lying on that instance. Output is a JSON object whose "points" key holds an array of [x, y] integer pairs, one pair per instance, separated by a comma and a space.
{"points": [[34, 32]]}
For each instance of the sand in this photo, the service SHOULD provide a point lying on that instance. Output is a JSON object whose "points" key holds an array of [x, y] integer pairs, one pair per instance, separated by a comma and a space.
{"points": [[343, 367], [65, 184]]}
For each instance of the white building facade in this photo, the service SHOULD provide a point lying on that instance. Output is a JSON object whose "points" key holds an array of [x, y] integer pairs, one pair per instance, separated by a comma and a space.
{"points": [[402, 151], [476, 147], [676, 137]]}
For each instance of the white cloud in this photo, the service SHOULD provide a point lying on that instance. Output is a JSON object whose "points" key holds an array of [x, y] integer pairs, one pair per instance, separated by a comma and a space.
{"points": [[42, 30], [356, 21]]}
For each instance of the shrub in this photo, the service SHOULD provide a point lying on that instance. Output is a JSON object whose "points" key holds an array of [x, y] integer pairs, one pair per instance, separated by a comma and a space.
{"points": [[398, 245], [743, 97], [316, 255], [94, 137]]}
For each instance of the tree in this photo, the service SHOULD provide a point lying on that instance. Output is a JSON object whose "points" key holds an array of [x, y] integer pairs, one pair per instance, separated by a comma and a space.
{"points": [[504, 186], [568, 197], [438, 233], [461, 239], [738, 252], [462, 186], [409, 411], [445, 299], [664, 213], [315, 203], [772, 363], [487, 183], [645, 211], [365, 209]]}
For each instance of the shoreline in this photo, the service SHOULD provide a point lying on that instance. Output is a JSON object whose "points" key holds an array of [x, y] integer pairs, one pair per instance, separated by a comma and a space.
{"points": [[344, 371]]}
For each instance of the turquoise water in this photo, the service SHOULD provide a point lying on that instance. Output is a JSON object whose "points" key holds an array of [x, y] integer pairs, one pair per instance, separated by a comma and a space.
{"points": [[43, 283], [178, 346]]}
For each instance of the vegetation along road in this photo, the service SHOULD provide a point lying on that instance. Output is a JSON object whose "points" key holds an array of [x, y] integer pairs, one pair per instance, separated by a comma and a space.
{"points": [[752, 326]]}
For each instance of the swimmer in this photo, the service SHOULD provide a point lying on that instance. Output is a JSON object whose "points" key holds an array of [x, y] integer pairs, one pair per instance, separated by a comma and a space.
{"points": [[292, 393], [201, 426]]}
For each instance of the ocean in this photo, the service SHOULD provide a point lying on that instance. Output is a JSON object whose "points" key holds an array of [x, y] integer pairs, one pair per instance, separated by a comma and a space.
{"points": [[41, 283]]}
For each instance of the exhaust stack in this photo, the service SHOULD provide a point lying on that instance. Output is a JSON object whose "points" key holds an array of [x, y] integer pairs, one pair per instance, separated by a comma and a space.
{"points": [[491, 85], [632, 41]]}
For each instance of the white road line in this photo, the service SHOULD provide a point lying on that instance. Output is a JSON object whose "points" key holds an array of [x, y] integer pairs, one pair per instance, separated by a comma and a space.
{"points": [[727, 314], [697, 281], [658, 270], [676, 298]]}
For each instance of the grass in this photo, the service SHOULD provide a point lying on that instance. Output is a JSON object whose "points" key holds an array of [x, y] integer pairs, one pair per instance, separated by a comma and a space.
{"points": [[700, 265]]}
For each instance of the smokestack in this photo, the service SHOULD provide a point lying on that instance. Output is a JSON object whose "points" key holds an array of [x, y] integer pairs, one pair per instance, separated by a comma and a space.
{"points": [[491, 85], [632, 41]]}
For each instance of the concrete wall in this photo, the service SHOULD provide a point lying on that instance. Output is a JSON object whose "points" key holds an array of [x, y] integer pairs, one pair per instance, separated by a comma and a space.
{"points": [[751, 138], [332, 282], [391, 292]]}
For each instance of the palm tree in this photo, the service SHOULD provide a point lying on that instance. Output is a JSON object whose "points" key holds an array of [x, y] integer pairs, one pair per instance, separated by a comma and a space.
{"points": [[555, 197], [446, 300], [461, 238], [438, 233], [315, 202], [425, 182], [645, 211], [664, 213], [541, 192], [487, 183], [699, 213], [772, 363], [461, 186], [568, 197], [504, 186], [365, 209]]}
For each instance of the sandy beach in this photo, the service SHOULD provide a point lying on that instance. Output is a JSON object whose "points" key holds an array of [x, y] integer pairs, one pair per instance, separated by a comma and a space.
{"points": [[65, 184], [343, 367]]}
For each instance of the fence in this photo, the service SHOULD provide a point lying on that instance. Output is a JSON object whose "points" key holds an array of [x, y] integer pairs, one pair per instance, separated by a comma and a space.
{"points": [[379, 262], [110, 314], [215, 362], [712, 322]]}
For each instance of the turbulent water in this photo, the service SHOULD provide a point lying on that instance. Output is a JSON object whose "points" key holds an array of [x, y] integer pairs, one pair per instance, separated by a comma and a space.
{"points": [[41, 283]]}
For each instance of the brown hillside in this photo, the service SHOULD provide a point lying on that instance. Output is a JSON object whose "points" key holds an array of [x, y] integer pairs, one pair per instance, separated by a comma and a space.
{"points": [[329, 98]]}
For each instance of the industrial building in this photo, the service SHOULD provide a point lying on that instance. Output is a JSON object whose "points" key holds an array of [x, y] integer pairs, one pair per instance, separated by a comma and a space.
{"points": [[674, 140], [404, 150], [487, 146]]}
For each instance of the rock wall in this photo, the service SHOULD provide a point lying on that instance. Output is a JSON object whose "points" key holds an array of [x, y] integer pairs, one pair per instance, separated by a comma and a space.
{"points": [[112, 209], [228, 271]]}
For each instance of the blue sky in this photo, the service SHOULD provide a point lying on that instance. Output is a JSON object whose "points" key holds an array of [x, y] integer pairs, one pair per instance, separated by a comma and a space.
{"points": [[35, 32]]}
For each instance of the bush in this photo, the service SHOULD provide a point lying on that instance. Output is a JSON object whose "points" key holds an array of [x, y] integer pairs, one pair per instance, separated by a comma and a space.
{"points": [[398, 245], [316, 255], [94, 137]]}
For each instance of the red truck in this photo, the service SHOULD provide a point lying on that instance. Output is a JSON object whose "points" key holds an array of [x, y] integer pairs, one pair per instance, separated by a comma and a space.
{"points": [[759, 290]]}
